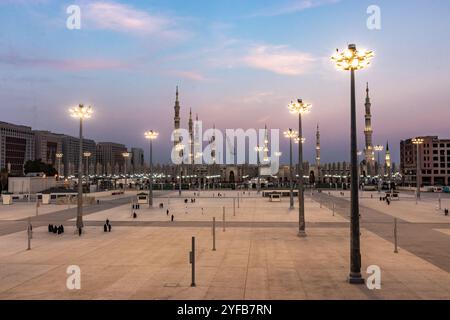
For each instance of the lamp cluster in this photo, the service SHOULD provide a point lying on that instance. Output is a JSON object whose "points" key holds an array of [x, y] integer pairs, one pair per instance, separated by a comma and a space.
{"points": [[81, 112], [352, 59]]}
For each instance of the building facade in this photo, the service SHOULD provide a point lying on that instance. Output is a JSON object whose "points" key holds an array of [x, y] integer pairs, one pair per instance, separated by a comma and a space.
{"points": [[434, 155], [71, 149], [110, 157], [137, 160], [17, 146], [47, 145]]}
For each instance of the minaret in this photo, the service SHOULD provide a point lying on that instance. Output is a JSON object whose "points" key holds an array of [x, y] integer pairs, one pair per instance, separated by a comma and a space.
{"points": [[213, 145], [318, 152], [266, 145], [387, 160], [177, 119], [368, 132], [191, 136]]}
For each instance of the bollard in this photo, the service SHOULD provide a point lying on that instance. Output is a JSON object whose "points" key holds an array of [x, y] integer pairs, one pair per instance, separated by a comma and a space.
{"points": [[238, 201], [29, 233], [223, 219], [395, 236], [192, 261], [333, 208], [214, 233], [234, 206], [440, 202]]}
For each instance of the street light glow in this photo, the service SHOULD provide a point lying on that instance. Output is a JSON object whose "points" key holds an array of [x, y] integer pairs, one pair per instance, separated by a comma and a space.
{"points": [[352, 59], [81, 112], [151, 135], [291, 134], [299, 107]]}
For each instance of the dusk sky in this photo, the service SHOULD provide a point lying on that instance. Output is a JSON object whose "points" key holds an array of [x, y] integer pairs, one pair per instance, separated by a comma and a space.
{"points": [[237, 63]]}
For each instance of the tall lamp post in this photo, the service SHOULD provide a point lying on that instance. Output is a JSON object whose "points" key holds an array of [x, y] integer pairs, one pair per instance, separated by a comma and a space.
{"points": [[59, 157], [80, 112], [126, 156], [151, 135], [352, 60], [299, 107], [180, 148], [418, 142], [378, 149], [87, 155], [291, 134], [258, 150]]}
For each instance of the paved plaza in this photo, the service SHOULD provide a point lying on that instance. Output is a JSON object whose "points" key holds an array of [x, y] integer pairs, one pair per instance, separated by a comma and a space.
{"points": [[258, 256]]}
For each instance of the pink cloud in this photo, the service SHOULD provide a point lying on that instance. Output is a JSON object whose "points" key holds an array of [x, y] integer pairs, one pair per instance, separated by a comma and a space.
{"points": [[109, 15], [62, 64], [191, 75], [293, 6], [278, 59]]}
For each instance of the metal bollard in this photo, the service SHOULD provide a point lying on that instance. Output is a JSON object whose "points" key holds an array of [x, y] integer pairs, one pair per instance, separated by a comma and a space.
{"points": [[333, 208], [192, 261], [29, 233], [395, 236], [440, 202], [223, 219], [234, 206], [238, 201], [214, 233]]}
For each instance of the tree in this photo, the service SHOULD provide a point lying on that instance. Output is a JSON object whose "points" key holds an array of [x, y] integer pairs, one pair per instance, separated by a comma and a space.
{"points": [[37, 166], [3, 180]]}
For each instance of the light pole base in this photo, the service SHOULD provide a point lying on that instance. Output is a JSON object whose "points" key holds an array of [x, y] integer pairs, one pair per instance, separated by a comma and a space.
{"points": [[302, 234], [355, 279]]}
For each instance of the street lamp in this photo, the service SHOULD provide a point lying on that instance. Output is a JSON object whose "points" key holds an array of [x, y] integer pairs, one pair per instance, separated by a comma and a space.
{"points": [[291, 134], [180, 148], [59, 157], [258, 150], [378, 149], [125, 156], [151, 135], [80, 112], [299, 107], [87, 154], [351, 60], [418, 142]]}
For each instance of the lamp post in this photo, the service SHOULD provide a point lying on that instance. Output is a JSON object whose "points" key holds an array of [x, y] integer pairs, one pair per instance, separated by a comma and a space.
{"points": [[258, 149], [180, 148], [299, 107], [352, 60], [80, 112], [418, 142], [125, 156], [151, 135], [59, 157], [378, 149], [87, 154], [291, 134]]}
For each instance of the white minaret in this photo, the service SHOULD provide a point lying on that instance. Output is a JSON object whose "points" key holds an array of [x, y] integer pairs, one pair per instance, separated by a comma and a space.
{"points": [[368, 132], [318, 152]]}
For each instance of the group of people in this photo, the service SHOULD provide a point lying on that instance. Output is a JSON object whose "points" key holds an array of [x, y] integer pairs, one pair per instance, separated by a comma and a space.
{"points": [[388, 201], [107, 226], [55, 229]]}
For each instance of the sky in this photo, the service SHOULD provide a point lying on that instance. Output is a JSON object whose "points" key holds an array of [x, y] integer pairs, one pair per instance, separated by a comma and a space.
{"points": [[237, 63]]}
